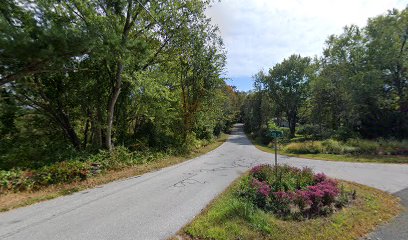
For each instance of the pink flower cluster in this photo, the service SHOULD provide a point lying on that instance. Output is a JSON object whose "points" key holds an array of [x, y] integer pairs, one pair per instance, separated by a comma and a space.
{"points": [[259, 168], [262, 187], [322, 194], [284, 196], [320, 177]]}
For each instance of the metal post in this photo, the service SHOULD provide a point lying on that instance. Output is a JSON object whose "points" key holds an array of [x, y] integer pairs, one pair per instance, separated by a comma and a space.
{"points": [[276, 158], [276, 154]]}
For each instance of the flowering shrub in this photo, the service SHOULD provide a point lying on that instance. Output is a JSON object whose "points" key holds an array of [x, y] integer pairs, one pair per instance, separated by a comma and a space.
{"points": [[262, 187], [261, 172], [292, 192]]}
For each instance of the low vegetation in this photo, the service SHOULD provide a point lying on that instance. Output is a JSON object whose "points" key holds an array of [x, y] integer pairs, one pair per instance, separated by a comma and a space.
{"points": [[24, 187], [351, 150], [351, 147], [293, 193], [297, 205]]}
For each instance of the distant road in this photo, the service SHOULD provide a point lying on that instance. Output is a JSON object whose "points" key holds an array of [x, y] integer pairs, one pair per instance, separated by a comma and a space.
{"points": [[156, 205]]}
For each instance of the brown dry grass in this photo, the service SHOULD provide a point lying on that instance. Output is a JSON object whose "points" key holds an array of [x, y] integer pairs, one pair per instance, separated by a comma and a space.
{"points": [[19, 199]]}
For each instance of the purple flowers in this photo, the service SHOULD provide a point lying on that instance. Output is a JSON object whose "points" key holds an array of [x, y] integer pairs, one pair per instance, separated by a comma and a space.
{"points": [[320, 177], [258, 168], [263, 188], [295, 190]]}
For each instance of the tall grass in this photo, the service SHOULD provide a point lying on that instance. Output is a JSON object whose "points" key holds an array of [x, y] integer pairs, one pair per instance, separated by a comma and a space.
{"points": [[352, 146]]}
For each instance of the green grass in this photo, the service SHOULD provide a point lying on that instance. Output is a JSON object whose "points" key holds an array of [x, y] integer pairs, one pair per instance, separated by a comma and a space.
{"points": [[229, 217], [338, 157], [351, 158]]}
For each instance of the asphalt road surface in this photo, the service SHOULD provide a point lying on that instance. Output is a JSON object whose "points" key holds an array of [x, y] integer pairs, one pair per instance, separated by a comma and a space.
{"points": [[157, 204]]}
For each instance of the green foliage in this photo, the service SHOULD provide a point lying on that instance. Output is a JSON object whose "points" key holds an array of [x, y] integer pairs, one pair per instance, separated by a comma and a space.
{"points": [[80, 77], [77, 169], [364, 146], [63, 172], [352, 146], [304, 147], [14, 180], [357, 89]]}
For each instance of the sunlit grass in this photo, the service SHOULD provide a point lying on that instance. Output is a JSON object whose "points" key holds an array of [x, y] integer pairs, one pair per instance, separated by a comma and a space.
{"points": [[336, 157], [229, 217]]}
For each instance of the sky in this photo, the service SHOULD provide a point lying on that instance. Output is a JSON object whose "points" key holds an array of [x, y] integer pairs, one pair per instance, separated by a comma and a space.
{"points": [[260, 33]]}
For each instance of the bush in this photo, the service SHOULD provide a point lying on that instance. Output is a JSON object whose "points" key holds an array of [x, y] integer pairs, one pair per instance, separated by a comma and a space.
{"points": [[364, 146], [352, 146], [304, 148], [344, 133], [73, 170], [63, 172], [392, 147], [15, 179], [331, 146], [293, 192]]}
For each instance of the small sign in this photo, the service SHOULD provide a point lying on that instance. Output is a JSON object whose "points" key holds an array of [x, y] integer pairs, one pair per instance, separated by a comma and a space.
{"points": [[276, 134]]}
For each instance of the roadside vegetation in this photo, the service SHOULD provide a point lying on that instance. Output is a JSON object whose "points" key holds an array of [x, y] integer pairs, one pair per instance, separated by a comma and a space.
{"points": [[297, 205], [99, 86], [350, 104], [18, 194], [353, 150]]}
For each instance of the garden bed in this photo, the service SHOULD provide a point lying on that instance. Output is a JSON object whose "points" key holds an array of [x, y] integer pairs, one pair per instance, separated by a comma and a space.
{"points": [[297, 204]]}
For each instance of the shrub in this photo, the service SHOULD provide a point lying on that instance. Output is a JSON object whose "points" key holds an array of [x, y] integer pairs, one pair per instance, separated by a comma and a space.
{"points": [[262, 172], [77, 169], [332, 147], [390, 147], [364, 146], [15, 180], [310, 131], [352, 146], [304, 148], [293, 193], [63, 172], [344, 133]]}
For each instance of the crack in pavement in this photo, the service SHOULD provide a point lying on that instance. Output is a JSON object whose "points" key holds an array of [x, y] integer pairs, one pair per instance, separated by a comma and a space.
{"points": [[191, 176]]}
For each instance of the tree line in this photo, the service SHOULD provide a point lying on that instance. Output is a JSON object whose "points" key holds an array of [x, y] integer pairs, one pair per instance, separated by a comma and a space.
{"points": [[84, 75], [357, 88]]}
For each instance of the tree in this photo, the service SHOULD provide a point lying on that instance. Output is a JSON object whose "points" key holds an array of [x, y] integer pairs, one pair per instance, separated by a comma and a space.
{"points": [[387, 43], [287, 85], [36, 39]]}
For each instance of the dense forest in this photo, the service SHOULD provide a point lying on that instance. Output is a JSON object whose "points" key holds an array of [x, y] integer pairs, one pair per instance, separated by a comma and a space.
{"points": [[80, 76], [357, 88]]}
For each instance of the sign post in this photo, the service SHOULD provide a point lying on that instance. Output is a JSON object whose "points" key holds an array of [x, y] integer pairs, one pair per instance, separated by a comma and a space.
{"points": [[276, 134]]}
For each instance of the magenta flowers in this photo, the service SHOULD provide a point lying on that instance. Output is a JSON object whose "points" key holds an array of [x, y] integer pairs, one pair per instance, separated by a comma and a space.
{"points": [[293, 192]]}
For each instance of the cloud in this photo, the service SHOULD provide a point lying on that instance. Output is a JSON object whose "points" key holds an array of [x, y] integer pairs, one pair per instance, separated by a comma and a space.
{"points": [[259, 33]]}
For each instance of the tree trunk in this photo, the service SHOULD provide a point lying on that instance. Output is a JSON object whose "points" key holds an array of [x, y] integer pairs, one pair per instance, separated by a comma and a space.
{"points": [[292, 124], [118, 79], [111, 107], [86, 130], [97, 129], [69, 131]]}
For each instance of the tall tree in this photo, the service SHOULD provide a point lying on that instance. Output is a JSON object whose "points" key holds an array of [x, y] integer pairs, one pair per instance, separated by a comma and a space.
{"points": [[287, 84]]}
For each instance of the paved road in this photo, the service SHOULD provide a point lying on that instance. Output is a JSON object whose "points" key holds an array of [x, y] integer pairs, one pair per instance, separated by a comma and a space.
{"points": [[156, 205]]}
